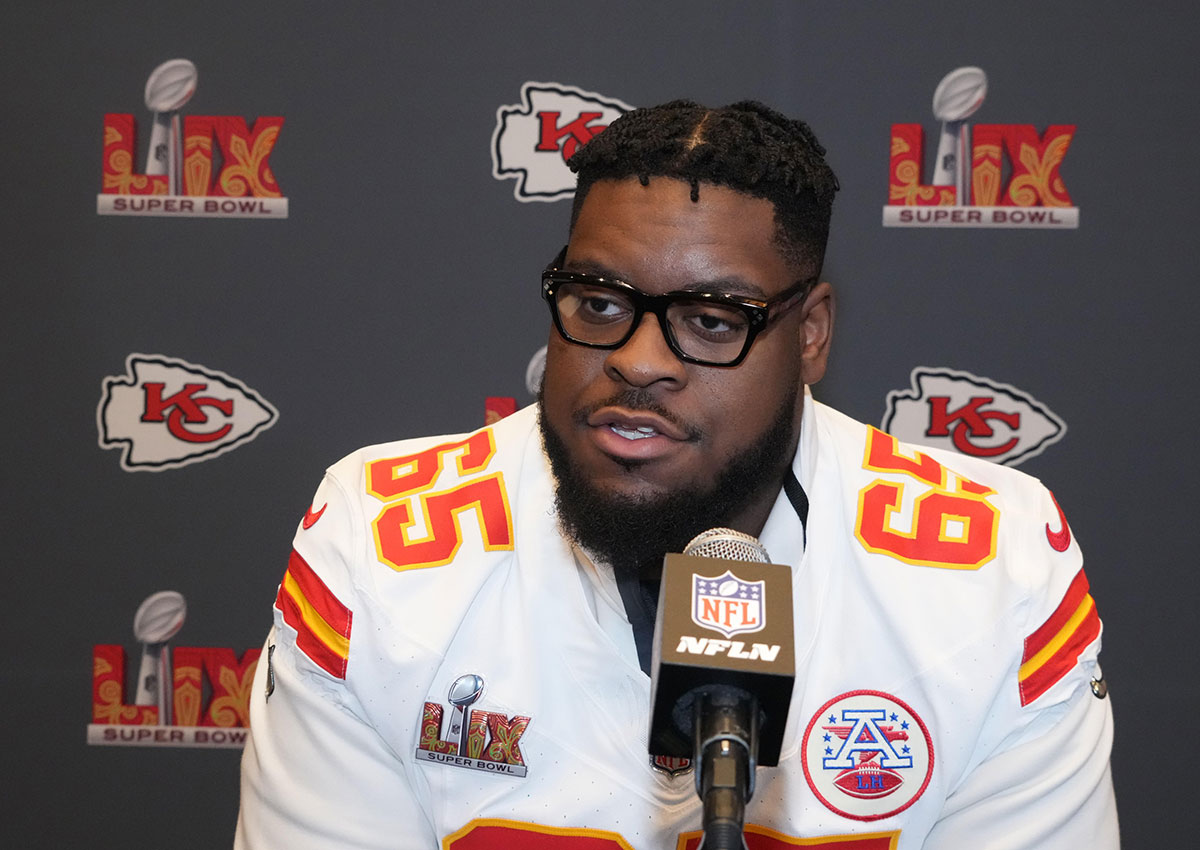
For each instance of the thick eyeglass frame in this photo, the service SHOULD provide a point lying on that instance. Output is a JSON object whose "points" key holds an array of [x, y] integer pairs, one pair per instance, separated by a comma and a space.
{"points": [[759, 314]]}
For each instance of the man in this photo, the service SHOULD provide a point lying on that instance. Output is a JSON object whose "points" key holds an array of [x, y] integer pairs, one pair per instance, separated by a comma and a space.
{"points": [[462, 635]]}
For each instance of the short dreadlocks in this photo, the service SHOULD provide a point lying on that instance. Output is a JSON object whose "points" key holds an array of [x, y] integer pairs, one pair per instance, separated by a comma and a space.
{"points": [[745, 146]]}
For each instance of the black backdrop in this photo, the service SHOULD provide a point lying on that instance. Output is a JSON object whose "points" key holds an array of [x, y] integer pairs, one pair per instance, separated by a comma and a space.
{"points": [[400, 292]]}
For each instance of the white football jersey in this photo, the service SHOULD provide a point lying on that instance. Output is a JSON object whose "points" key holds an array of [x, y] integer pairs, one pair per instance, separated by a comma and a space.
{"points": [[438, 677]]}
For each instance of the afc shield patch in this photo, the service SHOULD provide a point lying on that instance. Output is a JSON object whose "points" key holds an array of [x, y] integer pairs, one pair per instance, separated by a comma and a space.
{"points": [[867, 755]]}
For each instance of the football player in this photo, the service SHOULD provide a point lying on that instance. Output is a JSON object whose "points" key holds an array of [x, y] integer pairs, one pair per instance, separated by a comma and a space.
{"points": [[461, 641]]}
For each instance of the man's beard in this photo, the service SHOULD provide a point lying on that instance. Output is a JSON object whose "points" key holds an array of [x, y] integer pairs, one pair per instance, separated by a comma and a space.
{"points": [[632, 534]]}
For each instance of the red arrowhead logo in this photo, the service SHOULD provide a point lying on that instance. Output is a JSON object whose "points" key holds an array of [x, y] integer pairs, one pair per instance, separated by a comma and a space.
{"points": [[1061, 539], [310, 518]]}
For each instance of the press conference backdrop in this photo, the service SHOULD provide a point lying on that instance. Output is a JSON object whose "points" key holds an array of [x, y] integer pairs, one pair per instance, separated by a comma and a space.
{"points": [[324, 228]]}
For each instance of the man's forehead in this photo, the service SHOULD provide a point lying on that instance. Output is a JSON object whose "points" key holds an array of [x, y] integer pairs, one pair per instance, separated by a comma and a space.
{"points": [[722, 230], [642, 207], [696, 190]]}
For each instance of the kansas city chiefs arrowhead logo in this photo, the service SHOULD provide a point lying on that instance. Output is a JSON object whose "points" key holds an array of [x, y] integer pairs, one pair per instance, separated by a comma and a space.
{"points": [[534, 139], [950, 409], [166, 413]]}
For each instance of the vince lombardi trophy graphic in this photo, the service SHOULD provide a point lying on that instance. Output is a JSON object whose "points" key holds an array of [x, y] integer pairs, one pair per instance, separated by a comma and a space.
{"points": [[157, 620], [169, 87], [957, 97], [463, 692]]}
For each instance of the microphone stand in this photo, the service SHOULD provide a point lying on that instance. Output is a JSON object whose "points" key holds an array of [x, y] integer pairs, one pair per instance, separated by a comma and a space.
{"points": [[726, 754]]}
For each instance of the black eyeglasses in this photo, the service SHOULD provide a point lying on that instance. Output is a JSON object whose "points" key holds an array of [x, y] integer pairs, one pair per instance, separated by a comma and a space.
{"points": [[700, 327]]}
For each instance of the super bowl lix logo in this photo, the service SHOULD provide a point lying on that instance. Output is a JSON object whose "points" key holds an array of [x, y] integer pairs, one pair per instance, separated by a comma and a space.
{"points": [[186, 174], [472, 738], [867, 755], [985, 175], [955, 410], [534, 139], [165, 413], [191, 697]]}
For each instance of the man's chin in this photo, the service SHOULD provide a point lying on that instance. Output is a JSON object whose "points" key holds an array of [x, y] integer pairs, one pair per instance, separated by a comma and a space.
{"points": [[630, 520], [634, 490], [630, 531]]}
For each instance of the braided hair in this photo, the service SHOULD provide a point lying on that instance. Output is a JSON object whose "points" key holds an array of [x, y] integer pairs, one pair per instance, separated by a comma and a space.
{"points": [[745, 146]]}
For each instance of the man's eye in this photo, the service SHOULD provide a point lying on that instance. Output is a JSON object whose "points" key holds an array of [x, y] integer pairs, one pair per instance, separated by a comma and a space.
{"points": [[714, 323], [600, 305]]}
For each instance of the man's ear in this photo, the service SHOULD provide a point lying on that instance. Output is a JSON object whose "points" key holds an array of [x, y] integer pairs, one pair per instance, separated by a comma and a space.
{"points": [[817, 331]]}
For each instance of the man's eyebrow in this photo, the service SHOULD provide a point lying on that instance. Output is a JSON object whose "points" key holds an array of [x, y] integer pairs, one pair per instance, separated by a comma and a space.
{"points": [[734, 286], [728, 286], [585, 267]]}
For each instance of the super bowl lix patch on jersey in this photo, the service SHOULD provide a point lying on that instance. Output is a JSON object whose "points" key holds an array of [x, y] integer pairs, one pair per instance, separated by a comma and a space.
{"points": [[867, 755], [472, 738]]}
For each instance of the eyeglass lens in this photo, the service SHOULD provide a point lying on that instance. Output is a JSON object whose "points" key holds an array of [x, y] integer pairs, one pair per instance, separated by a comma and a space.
{"points": [[604, 316]]}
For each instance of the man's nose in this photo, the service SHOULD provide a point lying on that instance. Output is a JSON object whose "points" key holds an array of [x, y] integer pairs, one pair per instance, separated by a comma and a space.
{"points": [[646, 358]]}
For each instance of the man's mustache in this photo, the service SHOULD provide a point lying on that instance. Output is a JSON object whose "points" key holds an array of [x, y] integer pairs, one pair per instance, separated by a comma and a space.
{"points": [[635, 399]]}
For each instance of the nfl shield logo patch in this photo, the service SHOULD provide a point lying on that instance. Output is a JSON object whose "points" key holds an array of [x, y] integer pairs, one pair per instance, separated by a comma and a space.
{"points": [[671, 765], [728, 605]]}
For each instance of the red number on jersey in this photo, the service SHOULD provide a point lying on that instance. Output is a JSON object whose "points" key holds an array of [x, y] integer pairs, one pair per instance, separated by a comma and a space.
{"points": [[760, 838], [498, 834], [405, 481], [952, 528]]}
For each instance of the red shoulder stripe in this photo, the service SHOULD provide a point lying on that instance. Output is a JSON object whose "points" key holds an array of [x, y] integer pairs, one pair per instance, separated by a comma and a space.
{"points": [[321, 598], [1054, 648], [1063, 661], [321, 621], [1045, 632]]}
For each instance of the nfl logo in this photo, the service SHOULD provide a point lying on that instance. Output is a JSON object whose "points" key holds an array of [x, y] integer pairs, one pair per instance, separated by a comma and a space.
{"points": [[671, 765], [728, 605]]}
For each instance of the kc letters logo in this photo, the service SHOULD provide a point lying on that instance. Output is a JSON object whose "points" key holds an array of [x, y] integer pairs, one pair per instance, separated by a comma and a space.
{"points": [[985, 175], [867, 755], [165, 413], [208, 166], [950, 409], [534, 139], [472, 738], [170, 708]]}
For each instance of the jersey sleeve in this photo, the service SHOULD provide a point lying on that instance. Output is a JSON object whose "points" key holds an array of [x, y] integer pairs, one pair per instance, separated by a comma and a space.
{"points": [[1052, 790], [315, 772], [1043, 778]]}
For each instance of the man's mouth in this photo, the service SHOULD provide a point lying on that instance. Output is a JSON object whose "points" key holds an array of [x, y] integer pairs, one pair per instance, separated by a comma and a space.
{"points": [[633, 435], [639, 433], [637, 424]]}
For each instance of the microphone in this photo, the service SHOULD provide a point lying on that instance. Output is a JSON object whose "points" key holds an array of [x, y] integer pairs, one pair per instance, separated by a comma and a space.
{"points": [[716, 699]]}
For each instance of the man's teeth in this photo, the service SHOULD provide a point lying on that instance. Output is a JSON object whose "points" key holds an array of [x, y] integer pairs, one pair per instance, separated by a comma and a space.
{"points": [[639, 433]]}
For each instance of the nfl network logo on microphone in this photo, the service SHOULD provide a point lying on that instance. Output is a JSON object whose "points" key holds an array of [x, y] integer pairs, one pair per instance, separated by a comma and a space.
{"points": [[728, 605]]}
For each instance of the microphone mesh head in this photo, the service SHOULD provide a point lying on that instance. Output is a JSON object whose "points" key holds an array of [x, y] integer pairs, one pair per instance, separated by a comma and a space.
{"points": [[727, 544]]}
